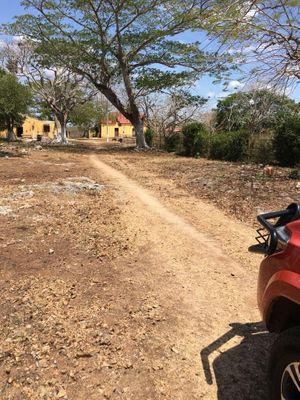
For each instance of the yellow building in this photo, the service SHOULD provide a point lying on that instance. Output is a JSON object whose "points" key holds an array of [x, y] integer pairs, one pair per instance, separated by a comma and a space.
{"points": [[32, 127], [116, 127]]}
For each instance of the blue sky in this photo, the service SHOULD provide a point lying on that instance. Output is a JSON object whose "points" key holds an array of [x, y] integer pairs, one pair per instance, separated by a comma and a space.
{"points": [[204, 87]]}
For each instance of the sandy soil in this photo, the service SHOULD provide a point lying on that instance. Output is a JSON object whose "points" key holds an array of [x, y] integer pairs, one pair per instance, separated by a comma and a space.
{"points": [[121, 283]]}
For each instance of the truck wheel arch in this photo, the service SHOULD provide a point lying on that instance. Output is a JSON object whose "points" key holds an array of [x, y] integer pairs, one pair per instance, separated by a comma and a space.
{"points": [[283, 314]]}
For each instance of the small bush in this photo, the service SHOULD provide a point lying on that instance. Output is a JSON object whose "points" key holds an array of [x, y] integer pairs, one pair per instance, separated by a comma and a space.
{"points": [[294, 174], [195, 140], [229, 146], [287, 142], [261, 149], [172, 142], [149, 135]]}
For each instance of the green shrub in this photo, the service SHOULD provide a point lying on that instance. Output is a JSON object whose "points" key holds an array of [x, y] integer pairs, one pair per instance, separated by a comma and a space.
{"points": [[287, 142], [195, 139], [261, 148], [229, 146], [149, 135], [172, 142], [294, 174]]}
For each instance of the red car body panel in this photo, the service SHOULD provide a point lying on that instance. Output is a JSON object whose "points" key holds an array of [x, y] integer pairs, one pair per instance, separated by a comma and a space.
{"points": [[279, 274]]}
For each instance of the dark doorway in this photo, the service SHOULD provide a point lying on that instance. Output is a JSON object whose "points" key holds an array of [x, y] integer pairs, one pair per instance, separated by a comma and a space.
{"points": [[20, 131], [116, 132], [46, 130]]}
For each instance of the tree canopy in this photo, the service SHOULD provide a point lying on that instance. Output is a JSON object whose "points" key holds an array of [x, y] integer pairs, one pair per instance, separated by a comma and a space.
{"points": [[15, 100], [126, 48], [255, 110], [88, 115], [262, 33]]}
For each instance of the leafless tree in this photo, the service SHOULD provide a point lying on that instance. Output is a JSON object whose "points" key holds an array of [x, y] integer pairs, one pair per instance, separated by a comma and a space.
{"points": [[263, 34], [167, 113], [59, 88]]}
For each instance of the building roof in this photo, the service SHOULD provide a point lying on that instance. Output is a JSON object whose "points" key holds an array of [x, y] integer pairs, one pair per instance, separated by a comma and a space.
{"points": [[117, 117]]}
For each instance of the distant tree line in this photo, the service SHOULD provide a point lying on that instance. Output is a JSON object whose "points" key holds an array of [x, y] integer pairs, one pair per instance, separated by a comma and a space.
{"points": [[257, 126], [69, 52]]}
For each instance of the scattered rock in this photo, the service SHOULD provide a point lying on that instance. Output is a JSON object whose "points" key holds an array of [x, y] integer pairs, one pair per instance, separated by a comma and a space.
{"points": [[62, 394], [105, 340], [70, 185], [38, 147], [43, 363], [174, 350], [23, 194], [5, 210]]}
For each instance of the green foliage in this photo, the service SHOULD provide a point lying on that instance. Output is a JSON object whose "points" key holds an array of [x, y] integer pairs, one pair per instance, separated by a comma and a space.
{"points": [[261, 148], [195, 139], [129, 44], [41, 109], [255, 111], [294, 174], [88, 115], [156, 80], [172, 142], [287, 142], [229, 146], [15, 100], [149, 135]]}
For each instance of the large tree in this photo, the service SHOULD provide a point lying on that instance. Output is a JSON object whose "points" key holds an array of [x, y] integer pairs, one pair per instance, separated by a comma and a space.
{"points": [[255, 110], [15, 100], [87, 116], [60, 89], [126, 49], [265, 34]]}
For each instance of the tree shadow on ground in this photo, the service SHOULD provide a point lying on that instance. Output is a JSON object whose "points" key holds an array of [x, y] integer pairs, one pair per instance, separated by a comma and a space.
{"points": [[240, 372], [88, 149], [9, 154]]}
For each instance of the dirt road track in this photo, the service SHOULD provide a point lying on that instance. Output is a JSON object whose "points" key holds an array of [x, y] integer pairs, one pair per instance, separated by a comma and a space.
{"points": [[193, 259], [134, 290]]}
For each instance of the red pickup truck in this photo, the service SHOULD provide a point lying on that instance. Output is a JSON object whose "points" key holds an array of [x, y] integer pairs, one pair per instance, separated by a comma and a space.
{"points": [[279, 297]]}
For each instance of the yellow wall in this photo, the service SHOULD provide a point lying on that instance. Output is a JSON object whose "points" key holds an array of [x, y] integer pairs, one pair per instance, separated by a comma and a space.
{"points": [[33, 127], [109, 130]]}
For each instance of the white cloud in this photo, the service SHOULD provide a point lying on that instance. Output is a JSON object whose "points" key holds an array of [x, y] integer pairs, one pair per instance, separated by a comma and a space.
{"points": [[233, 85], [18, 39]]}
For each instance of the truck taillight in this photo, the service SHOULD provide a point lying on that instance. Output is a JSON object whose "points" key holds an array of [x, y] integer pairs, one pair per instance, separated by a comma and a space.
{"points": [[283, 237]]}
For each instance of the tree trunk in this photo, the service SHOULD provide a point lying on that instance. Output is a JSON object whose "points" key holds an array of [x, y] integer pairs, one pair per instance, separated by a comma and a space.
{"points": [[140, 135], [61, 124], [58, 128], [10, 135], [63, 133]]}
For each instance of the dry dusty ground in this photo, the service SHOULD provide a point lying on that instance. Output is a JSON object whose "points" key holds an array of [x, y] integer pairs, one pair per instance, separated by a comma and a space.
{"points": [[119, 280]]}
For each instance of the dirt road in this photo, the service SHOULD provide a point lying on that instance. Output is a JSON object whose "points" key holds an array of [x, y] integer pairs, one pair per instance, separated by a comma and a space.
{"points": [[195, 259], [163, 308]]}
